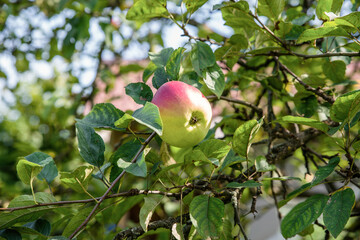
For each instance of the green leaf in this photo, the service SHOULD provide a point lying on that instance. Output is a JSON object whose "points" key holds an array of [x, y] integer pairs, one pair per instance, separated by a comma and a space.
{"points": [[353, 46], [177, 231], [160, 77], [137, 168], [10, 234], [350, 20], [91, 145], [304, 121], [214, 148], [271, 8], [76, 220], [140, 92], [337, 211], [102, 115], [262, 165], [124, 69], [77, 180], [323, 172], [161, 58], [306, 104], [195, 156], [192, 6], [144, 9], [302, 215], [206, 215], [123, 156], [335, 70], [321, 32], [247, 184], [327, 6], [231, 159], [244, 135], [282, 178], [8, 219], [147, 210], [356, 146], [27, 170], [346, 106], [214, 79], [124, 206], [241, 5], [201, 57], [307, 231], [149, 116], [173, 65], [41, 226], [149, 70], [124, 121], [49, 172], [126, 151], [28, 231], [294, 194]]}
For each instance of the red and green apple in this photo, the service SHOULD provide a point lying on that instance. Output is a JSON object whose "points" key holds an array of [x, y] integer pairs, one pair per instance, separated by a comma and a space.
{"points": [[185, 113]]}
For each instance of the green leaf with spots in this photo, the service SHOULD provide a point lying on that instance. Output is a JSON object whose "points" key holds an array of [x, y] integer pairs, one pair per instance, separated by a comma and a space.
{"points": [[337, 211], [244, 135], [206, 215], [140, 92], [91, 145], [345, 107], [324, 171], [303, 215]]}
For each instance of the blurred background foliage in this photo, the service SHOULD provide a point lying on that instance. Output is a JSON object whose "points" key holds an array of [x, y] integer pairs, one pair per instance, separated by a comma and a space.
{"points": [[50, 54]]}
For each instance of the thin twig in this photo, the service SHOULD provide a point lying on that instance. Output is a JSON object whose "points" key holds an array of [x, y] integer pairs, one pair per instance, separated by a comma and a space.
{"points": [[111, 187], [317, 91], [263, 26], [306, 56], [129, 193], [258, 110]]}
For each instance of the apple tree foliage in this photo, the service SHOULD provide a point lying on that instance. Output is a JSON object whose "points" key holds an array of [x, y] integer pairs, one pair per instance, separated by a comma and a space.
{"points": [[283, 87]]}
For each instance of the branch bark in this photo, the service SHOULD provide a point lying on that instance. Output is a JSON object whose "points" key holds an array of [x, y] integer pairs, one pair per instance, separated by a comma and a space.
{"points": [[133, 233]]}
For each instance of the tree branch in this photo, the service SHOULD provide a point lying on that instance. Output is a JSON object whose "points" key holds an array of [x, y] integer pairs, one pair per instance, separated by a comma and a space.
{"points": [[258, 110], [134, 233], [323, 55], [132, 192], [317, 91]]}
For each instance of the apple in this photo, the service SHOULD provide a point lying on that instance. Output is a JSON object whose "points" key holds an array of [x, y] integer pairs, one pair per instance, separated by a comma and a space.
{"points": [[185, 113]]}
